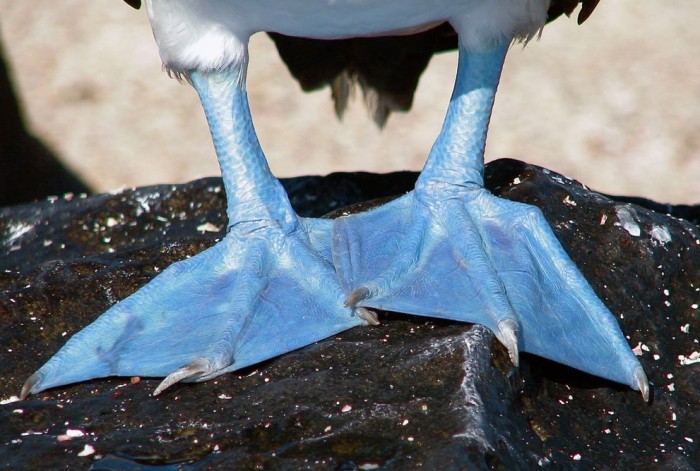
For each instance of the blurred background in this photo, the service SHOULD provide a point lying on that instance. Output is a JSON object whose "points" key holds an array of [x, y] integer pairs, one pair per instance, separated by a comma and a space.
{"points": [[614, 103]]}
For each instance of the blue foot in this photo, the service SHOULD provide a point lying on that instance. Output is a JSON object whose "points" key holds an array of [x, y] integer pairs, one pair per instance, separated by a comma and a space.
{"points": [[450, 249], [467, 255], [267, 288], [251, 297]]}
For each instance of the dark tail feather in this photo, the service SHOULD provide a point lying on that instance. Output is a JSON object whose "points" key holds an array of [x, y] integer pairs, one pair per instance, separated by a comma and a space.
{"points": [[386, 68]]}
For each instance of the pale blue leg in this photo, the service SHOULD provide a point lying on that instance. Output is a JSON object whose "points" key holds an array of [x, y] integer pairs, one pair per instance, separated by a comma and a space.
{"points": [[450, 249], [262, 291]]}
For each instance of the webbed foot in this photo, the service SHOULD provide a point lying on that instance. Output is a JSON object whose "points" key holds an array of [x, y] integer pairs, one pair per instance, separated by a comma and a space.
{"points": [[450, 249], [256, 294], [461, 253]]}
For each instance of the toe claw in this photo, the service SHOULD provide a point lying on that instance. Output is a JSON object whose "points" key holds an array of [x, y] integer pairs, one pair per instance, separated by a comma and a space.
{"points": [[367, 315], [360, 294], [29, 385], [508, 336], [194, 369], [642, 382]]}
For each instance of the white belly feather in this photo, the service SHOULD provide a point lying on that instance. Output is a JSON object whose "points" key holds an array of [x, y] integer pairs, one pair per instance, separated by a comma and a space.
{"points": [[210, 34]]}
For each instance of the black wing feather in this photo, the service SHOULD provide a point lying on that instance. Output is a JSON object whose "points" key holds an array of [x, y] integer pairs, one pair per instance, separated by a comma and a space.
{"points": [[386, 68]]}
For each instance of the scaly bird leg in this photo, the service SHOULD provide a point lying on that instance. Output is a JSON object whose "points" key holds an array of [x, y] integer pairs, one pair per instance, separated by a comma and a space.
{"points": [[450, 249], [267, 288]]}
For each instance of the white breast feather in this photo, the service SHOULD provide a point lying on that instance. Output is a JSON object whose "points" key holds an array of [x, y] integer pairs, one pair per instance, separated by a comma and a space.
{"points": [[213, 34]]}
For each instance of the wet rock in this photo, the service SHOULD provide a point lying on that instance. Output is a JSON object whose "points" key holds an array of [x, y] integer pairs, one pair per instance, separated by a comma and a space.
{"points": [[410, 393]]}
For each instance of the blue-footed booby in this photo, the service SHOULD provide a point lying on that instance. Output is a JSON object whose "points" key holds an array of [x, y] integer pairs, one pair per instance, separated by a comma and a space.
{"points": [[277, 282]]}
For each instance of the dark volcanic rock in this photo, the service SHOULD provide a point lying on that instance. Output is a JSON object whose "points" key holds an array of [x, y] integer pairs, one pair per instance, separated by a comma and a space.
{"points": [[410, 393]]}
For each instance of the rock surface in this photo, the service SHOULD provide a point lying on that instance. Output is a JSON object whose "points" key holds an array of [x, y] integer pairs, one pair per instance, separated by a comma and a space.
{"points": [[410, 393]]}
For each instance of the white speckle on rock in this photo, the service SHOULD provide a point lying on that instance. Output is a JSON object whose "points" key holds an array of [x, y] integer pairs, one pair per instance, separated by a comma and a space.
{"points": [[516, 181], [74, 432], [143, 207], [208, 227], [627, 217], [603, 219], [87, 451], [559, 179], [660, 234], [689, 360], [685, 328], [15, 231], [9, 400], [640, 349], [70, 434], [569, 201]]}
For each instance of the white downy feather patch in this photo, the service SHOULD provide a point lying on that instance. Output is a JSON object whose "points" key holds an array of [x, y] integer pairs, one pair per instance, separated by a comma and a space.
{"points": [[213, 34]]}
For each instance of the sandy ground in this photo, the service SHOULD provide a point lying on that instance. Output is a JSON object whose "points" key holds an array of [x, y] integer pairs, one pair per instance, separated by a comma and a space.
{"points": [[614, 103]]}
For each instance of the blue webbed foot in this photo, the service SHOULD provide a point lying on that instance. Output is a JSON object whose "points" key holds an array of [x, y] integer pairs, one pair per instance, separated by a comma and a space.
{"points": [[256, 294], [267, 288], [450, 249], [467, 255]]}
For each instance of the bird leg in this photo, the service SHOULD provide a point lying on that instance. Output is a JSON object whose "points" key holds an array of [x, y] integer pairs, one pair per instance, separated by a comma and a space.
{"points": [[451, 249], [268, 287]]}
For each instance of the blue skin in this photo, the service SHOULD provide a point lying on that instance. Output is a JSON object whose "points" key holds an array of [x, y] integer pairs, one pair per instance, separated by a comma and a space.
{"points": [[277, 282]]}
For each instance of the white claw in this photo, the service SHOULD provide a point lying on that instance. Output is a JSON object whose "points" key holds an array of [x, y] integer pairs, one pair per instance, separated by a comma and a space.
{"points": [[193, 370], [508, 335], [367, 315], [360, 294], [642, 382], [29, 385]]}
